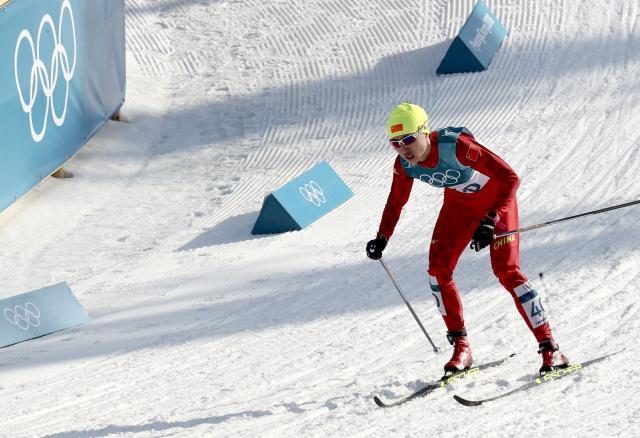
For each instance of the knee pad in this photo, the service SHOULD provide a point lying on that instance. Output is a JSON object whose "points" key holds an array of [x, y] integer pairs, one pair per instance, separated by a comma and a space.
{"points": [[444, 275], [511, 279]]}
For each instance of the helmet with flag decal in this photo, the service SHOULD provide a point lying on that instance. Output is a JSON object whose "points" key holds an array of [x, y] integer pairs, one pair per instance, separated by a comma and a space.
{"points": [[406, 119]]}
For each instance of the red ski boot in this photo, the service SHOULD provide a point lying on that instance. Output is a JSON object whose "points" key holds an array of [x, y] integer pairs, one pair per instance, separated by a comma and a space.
{"points": [[461, 358], [552, 358]]}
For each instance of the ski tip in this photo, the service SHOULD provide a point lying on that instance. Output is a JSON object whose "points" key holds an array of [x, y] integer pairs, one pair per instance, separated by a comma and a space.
{"points": [[379, 402], [466, 402]]}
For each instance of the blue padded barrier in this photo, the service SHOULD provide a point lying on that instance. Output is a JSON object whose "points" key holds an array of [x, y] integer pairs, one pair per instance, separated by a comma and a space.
{"points": [[476, 44], [39, 313], [62, 70], [302, 201]]}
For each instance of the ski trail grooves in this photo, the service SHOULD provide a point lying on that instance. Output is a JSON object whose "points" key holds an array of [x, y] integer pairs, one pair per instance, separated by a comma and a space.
{"points": [[149, 43], [291, 334]]}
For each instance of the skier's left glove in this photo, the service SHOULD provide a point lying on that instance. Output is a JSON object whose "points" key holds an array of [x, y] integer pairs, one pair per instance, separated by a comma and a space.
{"points": [[484, 234]]}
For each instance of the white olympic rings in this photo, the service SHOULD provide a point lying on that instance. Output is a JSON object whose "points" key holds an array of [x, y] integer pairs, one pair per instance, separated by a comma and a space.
{"points": [[23, 316], [438, 179], [40, 77], [313, 193]]}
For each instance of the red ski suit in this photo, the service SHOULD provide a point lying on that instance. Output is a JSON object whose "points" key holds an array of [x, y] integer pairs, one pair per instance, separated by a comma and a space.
{"points": [[456, 223]]}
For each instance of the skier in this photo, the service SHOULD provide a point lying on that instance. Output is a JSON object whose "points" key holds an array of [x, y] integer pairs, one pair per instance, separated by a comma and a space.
{"points": [[479, 201]]}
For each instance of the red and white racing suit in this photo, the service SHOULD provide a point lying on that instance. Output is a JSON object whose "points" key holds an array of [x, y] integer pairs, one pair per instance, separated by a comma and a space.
{"points": [[459, 217]]}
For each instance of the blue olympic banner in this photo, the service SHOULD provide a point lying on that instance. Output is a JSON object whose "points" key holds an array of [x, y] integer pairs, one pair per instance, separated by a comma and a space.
{"points": [[62, 70], [39, 313], [476, 44], [302, 201]]}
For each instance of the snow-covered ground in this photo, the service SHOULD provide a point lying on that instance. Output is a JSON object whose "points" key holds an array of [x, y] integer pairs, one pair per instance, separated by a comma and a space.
{"points": [[200, 329]]}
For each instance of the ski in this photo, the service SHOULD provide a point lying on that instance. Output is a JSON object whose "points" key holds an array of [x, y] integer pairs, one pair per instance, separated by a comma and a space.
{"points": [[440, 383], [545, 378]]}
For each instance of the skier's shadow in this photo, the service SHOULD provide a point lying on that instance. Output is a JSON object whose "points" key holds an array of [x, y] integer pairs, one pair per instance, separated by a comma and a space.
{"points": [[157, 426]]}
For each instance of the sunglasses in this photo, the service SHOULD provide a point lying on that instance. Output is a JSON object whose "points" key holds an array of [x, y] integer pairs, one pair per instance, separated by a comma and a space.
{"points": [[407, 140]]}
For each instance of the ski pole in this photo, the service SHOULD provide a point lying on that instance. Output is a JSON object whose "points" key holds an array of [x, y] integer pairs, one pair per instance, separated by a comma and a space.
{"points": [[384, 265], [544, 224]]}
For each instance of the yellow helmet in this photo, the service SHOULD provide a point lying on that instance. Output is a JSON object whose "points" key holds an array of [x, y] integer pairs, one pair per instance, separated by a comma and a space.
{"points": [[406, 119]]}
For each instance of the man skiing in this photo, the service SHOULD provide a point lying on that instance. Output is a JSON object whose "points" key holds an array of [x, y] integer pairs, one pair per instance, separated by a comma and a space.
{"points": [[479, 201]]}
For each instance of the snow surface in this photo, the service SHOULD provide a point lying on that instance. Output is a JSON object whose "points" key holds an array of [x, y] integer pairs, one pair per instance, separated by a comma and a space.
{"points": [[200, 329]]}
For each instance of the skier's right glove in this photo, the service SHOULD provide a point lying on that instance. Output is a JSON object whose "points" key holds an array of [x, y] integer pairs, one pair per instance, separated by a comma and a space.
{"points": [[376, 246]]}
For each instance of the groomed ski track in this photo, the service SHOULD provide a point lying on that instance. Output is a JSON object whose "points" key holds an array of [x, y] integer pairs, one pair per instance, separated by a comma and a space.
{"points": [[200, 329]]}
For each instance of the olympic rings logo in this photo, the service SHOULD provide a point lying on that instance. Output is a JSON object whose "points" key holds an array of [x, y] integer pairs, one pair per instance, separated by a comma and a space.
{"points": [[439, 179], [23, 316], [47, 79], [313, 193]]}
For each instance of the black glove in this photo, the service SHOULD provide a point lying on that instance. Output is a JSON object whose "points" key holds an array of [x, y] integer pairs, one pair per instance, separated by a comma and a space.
{"points": [[483, 236], [376, 246]]}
